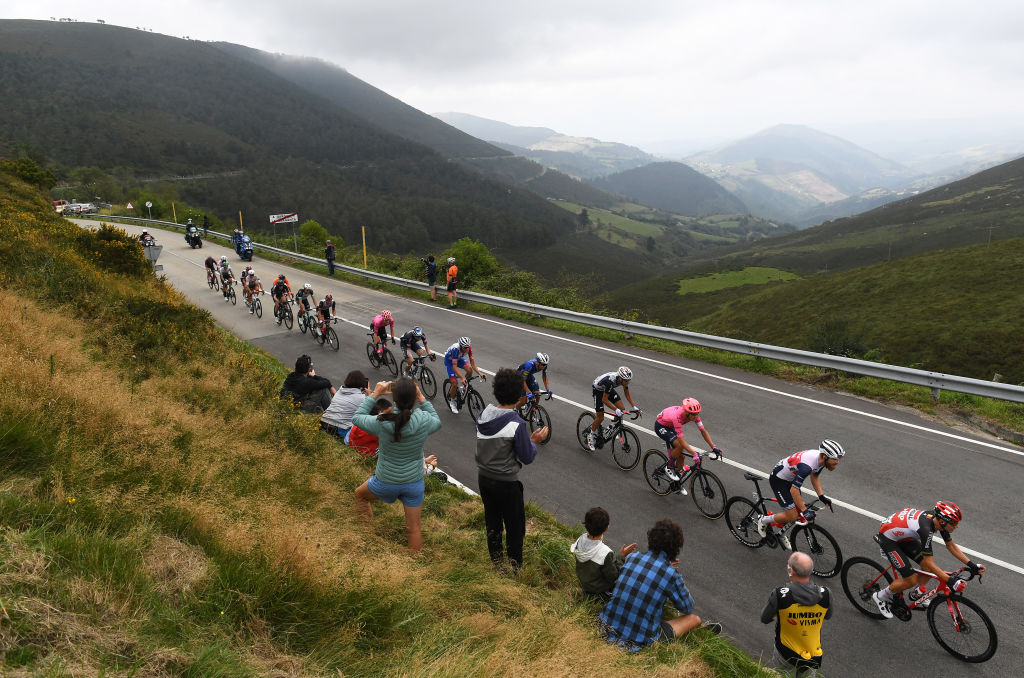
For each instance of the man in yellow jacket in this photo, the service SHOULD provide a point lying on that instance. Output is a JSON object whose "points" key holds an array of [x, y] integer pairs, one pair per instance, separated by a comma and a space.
{"points": [[799, 609]]}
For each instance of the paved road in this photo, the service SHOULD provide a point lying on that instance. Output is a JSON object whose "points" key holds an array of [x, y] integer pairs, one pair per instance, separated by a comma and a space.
{"points": [[895, 459]]}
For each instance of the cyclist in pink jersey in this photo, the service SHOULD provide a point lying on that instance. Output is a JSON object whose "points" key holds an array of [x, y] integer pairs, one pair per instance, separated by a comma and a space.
{"points": [[379, 328], [669, 427]]}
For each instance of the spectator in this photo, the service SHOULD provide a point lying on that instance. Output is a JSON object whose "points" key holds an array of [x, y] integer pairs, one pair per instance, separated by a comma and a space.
{"points": [[632, 618], [596, 566], [431, 276], [365, 443], [402, 433], [503, 444], [312, 393], [799, 608], [453, 283], [329, 255], [337, 418], [206, 225]]}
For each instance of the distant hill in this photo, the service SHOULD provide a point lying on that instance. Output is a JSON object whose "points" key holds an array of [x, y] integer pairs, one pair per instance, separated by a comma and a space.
{"points": [[493, 130], [786, 170], [674, 187]]}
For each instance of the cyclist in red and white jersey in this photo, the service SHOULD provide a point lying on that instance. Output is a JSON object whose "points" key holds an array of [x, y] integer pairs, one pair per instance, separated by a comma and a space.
{"points": [[788, 477], [906, 539], [669, 427]]}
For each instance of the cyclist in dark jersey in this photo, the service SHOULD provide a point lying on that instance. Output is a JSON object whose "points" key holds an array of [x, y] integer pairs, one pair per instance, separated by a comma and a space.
{"points": [[326, 308], [279, 290], [414, 342], [604, 394], [906, 540]]}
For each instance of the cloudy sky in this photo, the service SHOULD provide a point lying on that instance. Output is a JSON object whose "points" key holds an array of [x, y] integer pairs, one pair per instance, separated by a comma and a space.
{"points": [[638, 71]]}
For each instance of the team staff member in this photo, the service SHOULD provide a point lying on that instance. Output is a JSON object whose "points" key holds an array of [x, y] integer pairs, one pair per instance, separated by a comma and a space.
{"points": [[453, 283], [799, 609]]}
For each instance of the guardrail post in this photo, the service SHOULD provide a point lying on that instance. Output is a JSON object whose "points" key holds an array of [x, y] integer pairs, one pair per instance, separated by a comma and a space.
{"points": [[936, 392]]}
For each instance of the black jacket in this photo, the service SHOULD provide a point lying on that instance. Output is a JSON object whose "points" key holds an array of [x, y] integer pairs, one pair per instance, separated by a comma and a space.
{"points": [[329, 252], [300, 386]]}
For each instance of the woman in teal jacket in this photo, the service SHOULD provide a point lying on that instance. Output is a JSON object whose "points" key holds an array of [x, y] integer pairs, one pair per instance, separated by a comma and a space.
{"points": [[399, 472]]}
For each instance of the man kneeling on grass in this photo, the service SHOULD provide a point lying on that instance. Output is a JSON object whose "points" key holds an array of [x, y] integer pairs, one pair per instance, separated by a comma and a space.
{"points": [[632, 618]]}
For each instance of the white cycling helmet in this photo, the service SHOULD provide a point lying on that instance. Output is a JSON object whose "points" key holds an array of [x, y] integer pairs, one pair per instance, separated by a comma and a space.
{"points": [[831, 449], [307, 286], [464, 342], [223, 258], [542, 358], [625, 374], [451, 260]]}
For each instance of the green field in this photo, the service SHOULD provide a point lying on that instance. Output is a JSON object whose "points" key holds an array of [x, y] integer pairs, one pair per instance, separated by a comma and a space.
{"points": [[611, 219], [751, 275]]}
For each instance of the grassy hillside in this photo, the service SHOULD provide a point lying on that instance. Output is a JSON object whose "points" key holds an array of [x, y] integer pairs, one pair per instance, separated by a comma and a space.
{"points": [[674, 187], [153, 525]]}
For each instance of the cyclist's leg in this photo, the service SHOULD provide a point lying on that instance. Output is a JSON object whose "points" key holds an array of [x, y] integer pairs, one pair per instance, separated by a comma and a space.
{"points": [[787, 508], [598, 410], [672, 442]]}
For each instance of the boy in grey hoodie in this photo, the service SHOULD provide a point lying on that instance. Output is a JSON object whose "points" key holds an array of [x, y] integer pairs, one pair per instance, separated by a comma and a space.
{"points": [[503, 444], [596, 565]]}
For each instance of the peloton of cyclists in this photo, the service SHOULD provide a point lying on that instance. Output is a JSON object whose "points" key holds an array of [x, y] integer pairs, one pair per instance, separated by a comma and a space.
{"points": [[906, 539], [379, 328], [527, 370], [460, 354], [605, 395], [306, 300], [669, 427], [226, 275], [414, 342], [325, 310], [279, 290], [787, 478]]}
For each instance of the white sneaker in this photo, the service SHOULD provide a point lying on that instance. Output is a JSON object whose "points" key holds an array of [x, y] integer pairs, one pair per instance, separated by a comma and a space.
{"points": [[883, 605], [590, 440], [762, 529], [278, 321], [453, 406], [672, 474], [784, 542]]}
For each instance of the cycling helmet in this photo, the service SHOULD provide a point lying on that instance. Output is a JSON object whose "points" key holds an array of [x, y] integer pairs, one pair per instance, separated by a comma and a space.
{"points": [[418, 331], [145, 232], [386, 315], [542, 358], [307, 286], [223, 258], [464, 342], [281, 277], [451, 260], [624, 373], [691, 406], [328, 298], [948, 511], [831, 449], [190, 221], [248, 268]]}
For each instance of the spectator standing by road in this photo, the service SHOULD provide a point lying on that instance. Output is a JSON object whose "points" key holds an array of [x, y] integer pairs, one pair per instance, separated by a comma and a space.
{"points": [[206, 225], [632, 618], [337, 418], [402, 431], [431, 276], [503, 444], [329, 255], [799, 608], [597, 566], [312, 393], [453, 283]]}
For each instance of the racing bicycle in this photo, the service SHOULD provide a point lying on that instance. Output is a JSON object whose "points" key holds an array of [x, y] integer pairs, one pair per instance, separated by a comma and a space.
{"points": [[424, 375], [466, 395], [625, 444], [230, 285], [322, 332], [742, 514], [213, 280], [253, 303], [385, 357], [536, 415], [706, 489], [284, 313], [958, 624]]}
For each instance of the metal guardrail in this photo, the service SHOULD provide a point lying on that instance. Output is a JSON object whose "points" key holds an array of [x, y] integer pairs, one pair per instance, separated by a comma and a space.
{"points": [[936, 381]]}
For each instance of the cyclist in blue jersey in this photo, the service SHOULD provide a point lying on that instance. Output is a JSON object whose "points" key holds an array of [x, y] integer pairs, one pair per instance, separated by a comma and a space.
{"points": [[527, 371], [460, 354]]}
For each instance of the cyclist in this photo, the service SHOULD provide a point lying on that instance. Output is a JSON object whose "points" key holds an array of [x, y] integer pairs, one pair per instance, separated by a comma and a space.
{"points": [[605, 394], [906, 539], [531, 367], [789, 475], [226, 275], [211, 265], [325, 310], [279, 290], [669, 427], [252, 286], [379, 328], [306, 300], [242, 278], [414, 342], [457, 355]]}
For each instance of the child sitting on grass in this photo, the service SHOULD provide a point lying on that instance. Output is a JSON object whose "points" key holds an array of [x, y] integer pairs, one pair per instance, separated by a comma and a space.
{"points": [[596, 566], [365, 443]]}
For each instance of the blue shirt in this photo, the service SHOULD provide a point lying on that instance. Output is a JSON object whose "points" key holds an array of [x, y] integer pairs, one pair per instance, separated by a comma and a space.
{"points": [[632, 618], [532, 367]]}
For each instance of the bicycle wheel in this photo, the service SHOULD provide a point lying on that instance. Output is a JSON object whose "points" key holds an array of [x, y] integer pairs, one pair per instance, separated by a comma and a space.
{"points": [[332, 338], [582, 426], [446, 391], [289, 318], [315, 333], [259, 307], [626, 449], [819, 544], [741, 516], [964, 631], [372, 355], [216, 282], [475, 403], [708, 494], [654, 472], [389, 361], [302, 322], [427, 382], [538, 419], [210, 281], [861, 578], [232, 296]]}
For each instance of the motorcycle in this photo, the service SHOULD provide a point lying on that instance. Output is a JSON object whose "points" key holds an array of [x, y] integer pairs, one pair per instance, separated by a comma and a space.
{"points": [[193, 238], [244, 248]]}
